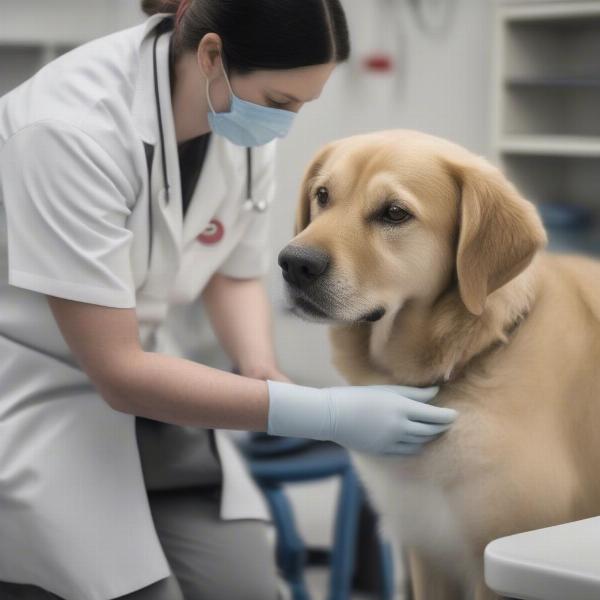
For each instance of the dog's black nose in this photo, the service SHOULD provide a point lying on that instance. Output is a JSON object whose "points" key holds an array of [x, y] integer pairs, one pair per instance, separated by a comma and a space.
{"points": [[301, 265]]}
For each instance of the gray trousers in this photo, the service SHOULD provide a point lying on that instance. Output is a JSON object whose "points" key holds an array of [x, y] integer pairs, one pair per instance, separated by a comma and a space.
{"points": [[210, 559]]}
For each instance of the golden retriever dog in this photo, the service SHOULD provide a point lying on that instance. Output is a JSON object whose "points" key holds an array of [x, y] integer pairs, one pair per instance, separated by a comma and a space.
{"points": [[429, 267]]}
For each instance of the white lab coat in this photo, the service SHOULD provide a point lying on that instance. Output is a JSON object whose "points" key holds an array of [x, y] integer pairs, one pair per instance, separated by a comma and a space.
{"points": [[75, 223]]}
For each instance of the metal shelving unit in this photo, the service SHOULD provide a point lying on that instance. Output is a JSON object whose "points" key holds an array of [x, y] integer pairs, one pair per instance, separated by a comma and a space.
{"points": [[546, 116]]}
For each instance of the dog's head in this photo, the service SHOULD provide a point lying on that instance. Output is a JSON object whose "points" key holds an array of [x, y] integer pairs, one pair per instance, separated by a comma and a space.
{"points": [[395, 216]]}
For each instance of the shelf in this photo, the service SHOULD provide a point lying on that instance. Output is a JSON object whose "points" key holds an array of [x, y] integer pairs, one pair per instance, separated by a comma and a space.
{"points": [[559, 111], [565, 14], [550, 145], [586, 241], [547, 113], [7, 43], [583, 237], [552, 179], [555, 82], [64, 22]]}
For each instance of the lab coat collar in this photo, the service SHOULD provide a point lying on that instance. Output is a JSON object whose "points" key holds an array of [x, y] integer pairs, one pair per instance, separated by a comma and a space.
{"points": [[144, 105]]}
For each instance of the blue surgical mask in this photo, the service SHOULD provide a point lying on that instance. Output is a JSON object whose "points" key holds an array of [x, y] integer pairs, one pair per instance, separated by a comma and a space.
{"points": [[248, 124]]}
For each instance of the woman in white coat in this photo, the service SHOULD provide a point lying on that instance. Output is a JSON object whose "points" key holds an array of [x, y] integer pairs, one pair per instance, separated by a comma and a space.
{"points": [[100, 158]]}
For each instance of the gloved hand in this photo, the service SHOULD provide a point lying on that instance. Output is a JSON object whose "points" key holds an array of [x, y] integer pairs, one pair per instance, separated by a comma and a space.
{"points": [[378, 419]]}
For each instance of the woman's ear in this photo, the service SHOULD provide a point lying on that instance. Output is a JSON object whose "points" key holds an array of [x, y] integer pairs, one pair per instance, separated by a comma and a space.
{"points": [[499, 231], [209, 56], [303, 206]]}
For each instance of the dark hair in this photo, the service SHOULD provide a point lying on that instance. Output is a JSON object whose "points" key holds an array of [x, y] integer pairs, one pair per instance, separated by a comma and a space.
{"points": [[261, 34]]}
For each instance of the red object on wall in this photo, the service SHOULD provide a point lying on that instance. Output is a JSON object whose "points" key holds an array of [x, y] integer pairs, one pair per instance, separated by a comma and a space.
{"points": [[379, 62]]}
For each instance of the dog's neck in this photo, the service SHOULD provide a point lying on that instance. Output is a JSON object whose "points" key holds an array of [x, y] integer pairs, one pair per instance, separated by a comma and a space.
{"points": [[435, 343]]}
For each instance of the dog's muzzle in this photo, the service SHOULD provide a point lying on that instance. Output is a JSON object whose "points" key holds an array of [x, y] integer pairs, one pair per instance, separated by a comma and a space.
{"points": [[302, 265]]}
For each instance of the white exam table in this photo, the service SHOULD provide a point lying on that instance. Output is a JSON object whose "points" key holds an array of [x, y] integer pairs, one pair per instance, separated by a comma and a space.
{"points": [[554, 563]]}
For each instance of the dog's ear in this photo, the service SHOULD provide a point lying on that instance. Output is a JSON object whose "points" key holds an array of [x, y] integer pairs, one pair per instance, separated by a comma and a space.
{"points": [[303, 206], [499, 231]]}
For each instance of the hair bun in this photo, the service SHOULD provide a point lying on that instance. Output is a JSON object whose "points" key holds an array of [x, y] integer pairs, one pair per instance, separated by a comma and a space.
{"points": [[153, 7]]}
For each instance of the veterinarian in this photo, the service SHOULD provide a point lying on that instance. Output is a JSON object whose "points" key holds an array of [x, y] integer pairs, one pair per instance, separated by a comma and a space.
{"points": [[106, 226]]}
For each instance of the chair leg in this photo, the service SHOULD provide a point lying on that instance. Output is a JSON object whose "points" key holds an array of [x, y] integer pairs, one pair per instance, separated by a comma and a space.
{"points": [[386, 560], [291, 551], [344, 546]]}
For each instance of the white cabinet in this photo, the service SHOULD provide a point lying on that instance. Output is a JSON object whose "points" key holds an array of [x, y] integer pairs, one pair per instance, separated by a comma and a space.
{"points": [[546, 131]]}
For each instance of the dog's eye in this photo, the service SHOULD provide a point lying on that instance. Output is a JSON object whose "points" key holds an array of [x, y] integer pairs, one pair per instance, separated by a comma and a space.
{"points": [[322, 196], [396, 214]]}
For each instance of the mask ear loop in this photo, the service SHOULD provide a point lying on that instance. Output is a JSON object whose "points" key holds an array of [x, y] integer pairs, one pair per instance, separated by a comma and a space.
{"points": [[231, 94]]}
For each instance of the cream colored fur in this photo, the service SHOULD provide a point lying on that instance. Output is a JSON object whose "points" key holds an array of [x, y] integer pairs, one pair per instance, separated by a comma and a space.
{"points": [[524, 451]]}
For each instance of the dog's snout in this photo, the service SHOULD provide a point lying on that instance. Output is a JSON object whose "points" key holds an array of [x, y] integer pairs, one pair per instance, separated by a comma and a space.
{"points": [[301, 265]]}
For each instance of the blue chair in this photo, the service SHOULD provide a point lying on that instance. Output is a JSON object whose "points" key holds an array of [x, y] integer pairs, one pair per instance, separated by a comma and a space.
{"points": [[275, 461]]}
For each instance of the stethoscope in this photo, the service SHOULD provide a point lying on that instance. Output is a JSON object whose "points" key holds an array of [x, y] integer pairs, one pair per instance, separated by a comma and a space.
{"points": [[249, 203]]}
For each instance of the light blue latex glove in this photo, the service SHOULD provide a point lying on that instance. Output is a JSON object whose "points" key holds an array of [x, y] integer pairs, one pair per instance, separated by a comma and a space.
{"points": [[379, 419]]}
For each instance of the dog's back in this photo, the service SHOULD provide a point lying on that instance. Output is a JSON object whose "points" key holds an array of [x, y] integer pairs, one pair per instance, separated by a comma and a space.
{"points": [[434, 273], [524, 452]]}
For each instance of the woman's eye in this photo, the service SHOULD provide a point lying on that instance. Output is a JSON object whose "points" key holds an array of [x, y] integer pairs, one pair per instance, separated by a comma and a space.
{"points": [[396, 214], [322, 196], [276, 104]]}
